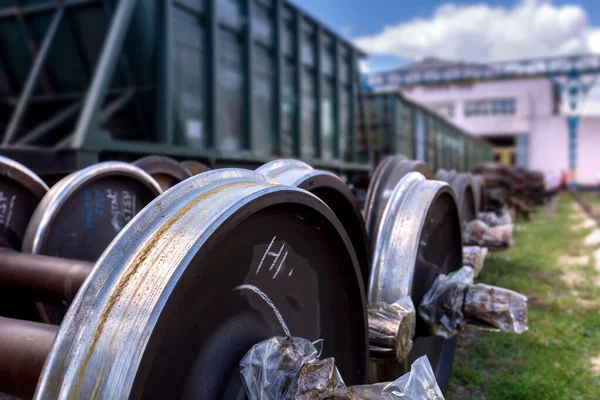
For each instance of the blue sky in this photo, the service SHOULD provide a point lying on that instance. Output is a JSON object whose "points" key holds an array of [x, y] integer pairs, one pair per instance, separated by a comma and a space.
{"points": [[490, 35], [367, 16]]}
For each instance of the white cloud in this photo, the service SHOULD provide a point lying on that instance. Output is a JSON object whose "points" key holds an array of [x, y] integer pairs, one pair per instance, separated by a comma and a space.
{"points": [[364, 66], [480, 32], [593, 41]]}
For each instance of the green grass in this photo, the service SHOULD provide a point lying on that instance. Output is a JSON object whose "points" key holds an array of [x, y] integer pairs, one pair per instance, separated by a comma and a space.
{"points": [[592, 197], [553, 359]]}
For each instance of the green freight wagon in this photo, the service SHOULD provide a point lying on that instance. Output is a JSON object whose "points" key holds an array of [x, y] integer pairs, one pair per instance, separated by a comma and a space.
{"points": [[479, 151], [227, 82], [397, 125], [389, 123]]}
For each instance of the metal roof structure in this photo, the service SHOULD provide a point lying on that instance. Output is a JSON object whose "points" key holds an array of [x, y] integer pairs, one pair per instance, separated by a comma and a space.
{"points": [[431, 71]]}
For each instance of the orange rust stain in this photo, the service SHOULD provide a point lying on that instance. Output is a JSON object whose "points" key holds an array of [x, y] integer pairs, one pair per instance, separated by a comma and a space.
{"points": [[130, 272]]}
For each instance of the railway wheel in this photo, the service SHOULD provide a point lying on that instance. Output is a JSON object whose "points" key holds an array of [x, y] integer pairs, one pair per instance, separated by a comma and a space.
{"points": [[165, 170], [332, 191], [387, 174], [462, 184], [215, 265], [194, 167], [419, 237], [80, 215]]}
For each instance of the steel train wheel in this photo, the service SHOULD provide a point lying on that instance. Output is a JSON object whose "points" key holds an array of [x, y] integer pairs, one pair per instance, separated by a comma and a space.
{"points": [[194, 167], [20, 192], [213, 266], [165, 170], [479, 189], [80, 215], [387, 174], [462, 184], [333, 191], [444, 175], [419, 238]]}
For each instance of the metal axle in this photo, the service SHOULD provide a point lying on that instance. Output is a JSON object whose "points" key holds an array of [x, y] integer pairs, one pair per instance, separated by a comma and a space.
{"points": [[41, 277], [24, 346], [453, 302]]}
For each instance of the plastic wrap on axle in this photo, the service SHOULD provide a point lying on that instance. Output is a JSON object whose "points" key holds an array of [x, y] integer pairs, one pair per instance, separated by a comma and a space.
{"points": [[442, 305], [453, 302], [491, 306], [392, 326], [496, 219], [478, 233], [289, 368], [474, 257]]}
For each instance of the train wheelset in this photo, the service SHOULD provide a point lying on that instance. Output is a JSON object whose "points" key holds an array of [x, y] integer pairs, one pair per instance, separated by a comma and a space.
{"points": [[113, 289]]}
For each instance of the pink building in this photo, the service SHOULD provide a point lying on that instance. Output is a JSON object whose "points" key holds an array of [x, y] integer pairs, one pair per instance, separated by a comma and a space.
{"points": [[521, 117]]}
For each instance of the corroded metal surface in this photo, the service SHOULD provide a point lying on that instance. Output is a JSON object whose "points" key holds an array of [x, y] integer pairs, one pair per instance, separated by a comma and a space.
{"points": [[387, 174], [40, 277], [58, 228], [165, 170], [380, 188], [333, 191], [26, 177], [120, 313], [480, 190], [419, 237], [391, 326], [194, 167], [24, 346], [466, 197], [444, 175], [20, 192], [399, 236], [290, 172]]}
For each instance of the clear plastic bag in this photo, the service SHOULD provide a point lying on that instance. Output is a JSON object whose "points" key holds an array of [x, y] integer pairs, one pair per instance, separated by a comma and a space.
{"points": [[453, 302], [392, 326], [478, 233], [442, 305], [474, 256], [496, 308], [271, 368], [288, 368], [493, 219], [418, 384], [318, 380]]}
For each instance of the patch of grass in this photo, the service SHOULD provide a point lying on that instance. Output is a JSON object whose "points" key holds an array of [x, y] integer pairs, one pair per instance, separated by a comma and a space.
{"points": [[592, 198], [552, 359]]}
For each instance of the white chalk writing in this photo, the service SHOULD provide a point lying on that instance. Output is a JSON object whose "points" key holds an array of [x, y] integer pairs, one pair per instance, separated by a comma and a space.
{"points": [[6, 209], [268, 301]]}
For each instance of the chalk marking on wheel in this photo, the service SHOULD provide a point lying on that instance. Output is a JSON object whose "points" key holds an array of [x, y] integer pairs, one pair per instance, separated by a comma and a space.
{"points": [[267, 300], [265, 254]]}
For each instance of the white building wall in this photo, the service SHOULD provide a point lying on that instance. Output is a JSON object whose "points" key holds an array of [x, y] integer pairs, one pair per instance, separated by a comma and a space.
{"points": [[533, 99], [588, 158], [549, 147], [534, 116]]}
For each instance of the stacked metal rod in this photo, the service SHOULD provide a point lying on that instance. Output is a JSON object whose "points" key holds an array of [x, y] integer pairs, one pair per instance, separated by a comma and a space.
{"points": [[507, 186]]}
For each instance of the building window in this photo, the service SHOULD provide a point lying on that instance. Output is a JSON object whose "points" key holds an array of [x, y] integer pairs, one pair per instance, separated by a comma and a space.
{"points": [[490, 107], [443, 109]]}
